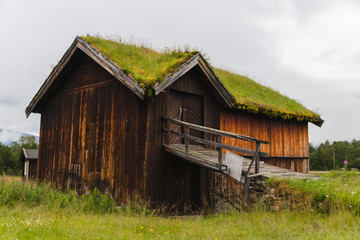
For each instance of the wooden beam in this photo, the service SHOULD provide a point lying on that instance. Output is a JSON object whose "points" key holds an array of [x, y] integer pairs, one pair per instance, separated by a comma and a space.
{"points": [[197, 60], [215, 144], [214, 131], [220, 150], [288, 157], [191, 158]]}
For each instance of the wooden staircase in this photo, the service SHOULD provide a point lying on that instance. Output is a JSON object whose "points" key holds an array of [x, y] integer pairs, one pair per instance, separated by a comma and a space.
{"points": [[211, 153]]}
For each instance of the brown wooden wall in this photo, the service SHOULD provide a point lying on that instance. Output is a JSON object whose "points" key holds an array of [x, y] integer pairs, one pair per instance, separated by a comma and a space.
{"points": [[170, 179], [92, 130], [288, 146], [96, 131]]}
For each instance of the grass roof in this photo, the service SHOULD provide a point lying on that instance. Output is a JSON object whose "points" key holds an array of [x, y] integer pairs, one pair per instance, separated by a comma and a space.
{"points": [[144, 65], [148, 67], [253, 97]]}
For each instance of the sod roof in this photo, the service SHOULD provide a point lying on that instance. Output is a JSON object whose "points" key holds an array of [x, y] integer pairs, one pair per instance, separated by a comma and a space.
{"points": [[149, 67]]}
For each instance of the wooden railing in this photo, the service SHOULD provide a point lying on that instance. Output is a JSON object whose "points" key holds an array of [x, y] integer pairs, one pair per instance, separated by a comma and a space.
{"points": [[185, 134]]}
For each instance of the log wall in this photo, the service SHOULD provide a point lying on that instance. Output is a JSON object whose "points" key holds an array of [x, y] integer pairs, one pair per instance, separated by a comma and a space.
{"points": [[172, 180], [92, 131], [288, 146]]}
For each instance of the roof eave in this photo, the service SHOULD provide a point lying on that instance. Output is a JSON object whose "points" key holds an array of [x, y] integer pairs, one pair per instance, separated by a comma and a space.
{"points": [[98, 57], [198, 60]]}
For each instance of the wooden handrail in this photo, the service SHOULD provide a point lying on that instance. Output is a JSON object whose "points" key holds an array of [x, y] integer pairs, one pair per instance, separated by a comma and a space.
{"points": [[188, 137], [214, 131], [218, 144]]}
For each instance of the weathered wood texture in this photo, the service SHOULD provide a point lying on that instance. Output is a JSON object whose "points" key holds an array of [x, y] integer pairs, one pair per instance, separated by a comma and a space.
{"points": [[95, 129], [92, 124], [170, 179], [288, 146]]}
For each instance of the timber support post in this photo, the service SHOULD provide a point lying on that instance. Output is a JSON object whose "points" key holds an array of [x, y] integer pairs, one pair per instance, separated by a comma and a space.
{"points": [[187, 139], [246, 190], [257, 166], [220, 150]]}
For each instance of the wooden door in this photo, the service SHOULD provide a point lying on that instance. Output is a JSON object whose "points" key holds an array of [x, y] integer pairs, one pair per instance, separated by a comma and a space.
{"points": [[185, 107]]}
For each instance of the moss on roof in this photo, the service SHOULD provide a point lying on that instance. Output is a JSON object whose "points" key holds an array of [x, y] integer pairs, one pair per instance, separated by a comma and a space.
{"points": [[148, 67], [253, 97], [144, 65]]}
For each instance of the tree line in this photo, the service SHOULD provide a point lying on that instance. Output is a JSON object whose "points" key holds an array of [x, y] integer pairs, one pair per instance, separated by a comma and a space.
{"points": [[329, 156], [10, 154]]}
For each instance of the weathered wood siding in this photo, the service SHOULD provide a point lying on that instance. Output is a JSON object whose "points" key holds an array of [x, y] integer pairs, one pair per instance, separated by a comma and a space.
{"points": [[288, 146], [32, 169], [92, 130], [172, 180]]}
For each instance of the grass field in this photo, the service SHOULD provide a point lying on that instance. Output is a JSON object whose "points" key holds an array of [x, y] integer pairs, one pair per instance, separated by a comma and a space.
{"points": [[38, 223], [52, 217]]}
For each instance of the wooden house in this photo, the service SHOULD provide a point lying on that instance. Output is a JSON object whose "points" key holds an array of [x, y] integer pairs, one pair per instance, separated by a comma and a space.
{"points": [[29, 158], [102, 124]]}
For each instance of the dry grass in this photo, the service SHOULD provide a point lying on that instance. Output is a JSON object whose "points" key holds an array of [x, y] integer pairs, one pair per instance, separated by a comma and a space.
{"points": [[10, 178]]}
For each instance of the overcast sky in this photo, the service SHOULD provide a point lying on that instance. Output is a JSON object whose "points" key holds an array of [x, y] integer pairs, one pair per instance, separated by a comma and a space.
{"points": [[308, 50]]}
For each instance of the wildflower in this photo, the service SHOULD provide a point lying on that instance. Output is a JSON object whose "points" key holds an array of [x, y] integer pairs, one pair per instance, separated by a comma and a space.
{"points": [[76, 193]]}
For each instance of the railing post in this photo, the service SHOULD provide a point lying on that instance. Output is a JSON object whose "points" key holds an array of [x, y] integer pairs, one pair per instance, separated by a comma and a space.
{"points": [[220, 150], [166, 135], [257, 166], [186, 139]]}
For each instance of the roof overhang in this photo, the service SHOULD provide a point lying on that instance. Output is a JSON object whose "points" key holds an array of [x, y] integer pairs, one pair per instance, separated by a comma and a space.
{"points": [[198, 60], [98, 57]]}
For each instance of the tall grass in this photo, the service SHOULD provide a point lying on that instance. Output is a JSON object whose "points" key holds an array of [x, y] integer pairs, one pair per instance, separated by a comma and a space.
{"points": [[37, 223], [34, 194], [335, 191], [39, 211]]}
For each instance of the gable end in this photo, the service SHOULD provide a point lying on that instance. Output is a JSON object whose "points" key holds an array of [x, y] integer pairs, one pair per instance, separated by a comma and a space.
{"points": [[99, 58], [226, 97]]}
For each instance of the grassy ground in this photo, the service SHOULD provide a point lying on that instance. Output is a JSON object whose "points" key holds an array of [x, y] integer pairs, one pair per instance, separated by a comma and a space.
{"points": [[31, 211], [38, 223], [335, 190]]}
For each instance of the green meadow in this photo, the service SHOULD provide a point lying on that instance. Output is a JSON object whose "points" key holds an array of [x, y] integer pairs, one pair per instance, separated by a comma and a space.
{"points": [[309, 209]]}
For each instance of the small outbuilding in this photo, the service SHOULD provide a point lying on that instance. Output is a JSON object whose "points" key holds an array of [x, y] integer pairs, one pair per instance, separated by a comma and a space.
{"points": [[107, 120], [29, 158]]}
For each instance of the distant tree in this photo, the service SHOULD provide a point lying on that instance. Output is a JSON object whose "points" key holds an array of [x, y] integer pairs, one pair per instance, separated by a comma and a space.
{"points": [[322, 157], [9, 155], [355, 163]]}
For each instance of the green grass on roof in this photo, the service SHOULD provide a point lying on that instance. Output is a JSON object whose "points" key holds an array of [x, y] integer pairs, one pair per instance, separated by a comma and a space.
{"points": [[144, 65], [147, 67], [254, 97]]}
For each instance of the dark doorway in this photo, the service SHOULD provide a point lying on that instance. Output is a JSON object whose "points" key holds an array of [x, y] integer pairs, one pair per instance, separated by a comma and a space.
{"points": [[186, 107], [189, 108]]}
